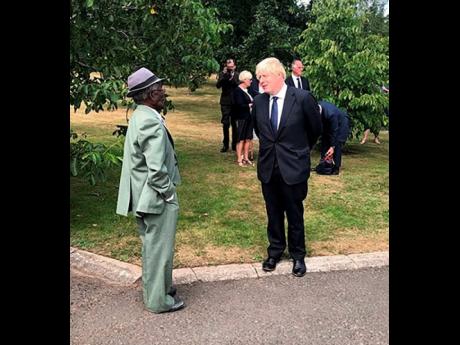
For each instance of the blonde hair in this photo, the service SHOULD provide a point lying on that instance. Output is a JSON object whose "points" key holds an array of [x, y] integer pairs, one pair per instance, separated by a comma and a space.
{"points": [[270, 65], [245, 75]]}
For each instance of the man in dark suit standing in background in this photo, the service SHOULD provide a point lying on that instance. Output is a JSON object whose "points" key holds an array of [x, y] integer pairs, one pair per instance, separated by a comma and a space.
{"points": [[335, 133], [296, 78], [228, 81], [255, 88], [288, 124]]}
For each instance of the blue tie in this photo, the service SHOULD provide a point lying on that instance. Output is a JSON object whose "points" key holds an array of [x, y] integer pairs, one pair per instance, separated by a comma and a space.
{"points": [[298, 83], [274, 118]]}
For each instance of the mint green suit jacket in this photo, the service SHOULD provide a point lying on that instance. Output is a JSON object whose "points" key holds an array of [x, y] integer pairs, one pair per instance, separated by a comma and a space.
{"points": [[149, 174]]}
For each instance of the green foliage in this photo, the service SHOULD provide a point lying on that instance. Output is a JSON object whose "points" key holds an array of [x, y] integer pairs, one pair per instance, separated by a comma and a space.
{"points": [[109, 39], [376, 21], [238, 14], [90, 160], [260, 29], [345, 64], [270, 35]]}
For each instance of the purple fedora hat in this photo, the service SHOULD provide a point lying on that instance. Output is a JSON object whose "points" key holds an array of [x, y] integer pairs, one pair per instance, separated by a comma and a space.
{"points": [[140, 80]]}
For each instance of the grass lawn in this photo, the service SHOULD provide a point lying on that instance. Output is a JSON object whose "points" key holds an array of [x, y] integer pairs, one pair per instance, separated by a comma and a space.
{"points": [[222, 217]]}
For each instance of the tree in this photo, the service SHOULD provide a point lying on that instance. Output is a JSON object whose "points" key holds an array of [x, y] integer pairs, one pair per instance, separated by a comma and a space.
{"points": [[275, 32], [260, 29], [346, 65], [239, 15], [376, 22], [110, 38]]}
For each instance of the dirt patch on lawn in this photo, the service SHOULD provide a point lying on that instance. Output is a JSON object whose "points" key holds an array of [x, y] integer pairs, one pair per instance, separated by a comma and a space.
{"points": [[326, 183], [344, 244], [179, 123], [188, 256], [183, 126]]}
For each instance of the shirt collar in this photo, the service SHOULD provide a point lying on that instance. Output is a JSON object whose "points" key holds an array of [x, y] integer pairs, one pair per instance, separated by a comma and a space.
{"points": [[157, 114]]}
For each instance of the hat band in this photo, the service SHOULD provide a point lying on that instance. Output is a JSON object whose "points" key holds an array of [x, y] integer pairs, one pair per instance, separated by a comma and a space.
{"points": [[152, 80]]}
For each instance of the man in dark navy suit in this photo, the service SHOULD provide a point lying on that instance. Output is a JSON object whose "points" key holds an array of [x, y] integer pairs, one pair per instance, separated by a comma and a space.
{"points": [[335, 133], [228, 81], [296, 78], [288, 124]]}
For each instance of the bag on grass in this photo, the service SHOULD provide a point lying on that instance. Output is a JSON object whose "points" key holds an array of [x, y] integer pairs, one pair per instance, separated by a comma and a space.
{"points": [[325, 166]]}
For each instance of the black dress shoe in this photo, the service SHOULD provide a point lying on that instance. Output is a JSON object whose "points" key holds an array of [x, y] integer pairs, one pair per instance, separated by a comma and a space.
{"points": [[335, 171], [172, 291], [299, 269], [269, 264], [224, 149]]}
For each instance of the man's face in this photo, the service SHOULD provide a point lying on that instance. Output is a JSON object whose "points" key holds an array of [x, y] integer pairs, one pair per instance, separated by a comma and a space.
{"points": [[230, 65], [270, 82], [297, 68], [158, 97]]}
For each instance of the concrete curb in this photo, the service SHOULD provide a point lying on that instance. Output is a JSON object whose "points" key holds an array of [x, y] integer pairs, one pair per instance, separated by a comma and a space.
{"points": [[110, 270], [117, 272]]}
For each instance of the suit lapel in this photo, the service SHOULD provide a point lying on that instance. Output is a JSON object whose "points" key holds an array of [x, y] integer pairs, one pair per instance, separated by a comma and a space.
{"points": [[304, 83], [265, 115], [287, 106], [247, 97], [169, 136]]}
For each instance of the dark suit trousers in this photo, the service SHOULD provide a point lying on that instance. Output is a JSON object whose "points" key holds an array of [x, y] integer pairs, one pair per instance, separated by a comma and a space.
{"points": [[226, 121], [280, 198]]}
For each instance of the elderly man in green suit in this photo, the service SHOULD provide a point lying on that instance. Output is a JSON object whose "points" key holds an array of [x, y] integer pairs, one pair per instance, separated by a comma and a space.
{"points": [[148, 183]]}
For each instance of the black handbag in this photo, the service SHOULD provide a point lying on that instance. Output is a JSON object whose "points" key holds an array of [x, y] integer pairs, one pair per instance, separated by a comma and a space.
{"points": [[325, 166]]}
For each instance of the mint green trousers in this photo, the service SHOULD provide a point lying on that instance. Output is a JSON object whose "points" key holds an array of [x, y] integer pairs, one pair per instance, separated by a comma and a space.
{"points": [[158, 234]]}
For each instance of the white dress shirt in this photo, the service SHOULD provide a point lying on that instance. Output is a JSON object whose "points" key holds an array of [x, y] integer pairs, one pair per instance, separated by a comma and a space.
{"points": [[294, 78], [280, 101]]}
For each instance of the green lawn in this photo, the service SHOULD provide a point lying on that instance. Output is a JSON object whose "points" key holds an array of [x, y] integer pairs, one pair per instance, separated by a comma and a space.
{"points": [[222, 217]]}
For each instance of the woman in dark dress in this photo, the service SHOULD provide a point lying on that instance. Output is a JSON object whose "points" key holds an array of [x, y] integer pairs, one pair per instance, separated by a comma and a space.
{"points": [[241, 112], [254, 90]]}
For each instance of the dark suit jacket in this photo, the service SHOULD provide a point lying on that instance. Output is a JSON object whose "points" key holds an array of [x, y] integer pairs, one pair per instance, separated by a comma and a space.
{"points": [[240, 105], [254, 88], [305, 83], [335, 123], [298, 131], [227, 84]]}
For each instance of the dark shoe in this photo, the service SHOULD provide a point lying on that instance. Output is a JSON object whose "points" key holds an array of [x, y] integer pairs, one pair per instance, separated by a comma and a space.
{"points": [[335, 171], [269, 264], [176, 306], [224, 149], [299, 269], [172, 291]]}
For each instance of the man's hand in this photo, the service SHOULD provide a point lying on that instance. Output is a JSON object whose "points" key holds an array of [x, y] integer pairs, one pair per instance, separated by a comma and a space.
{"points": [[330, 152]]}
